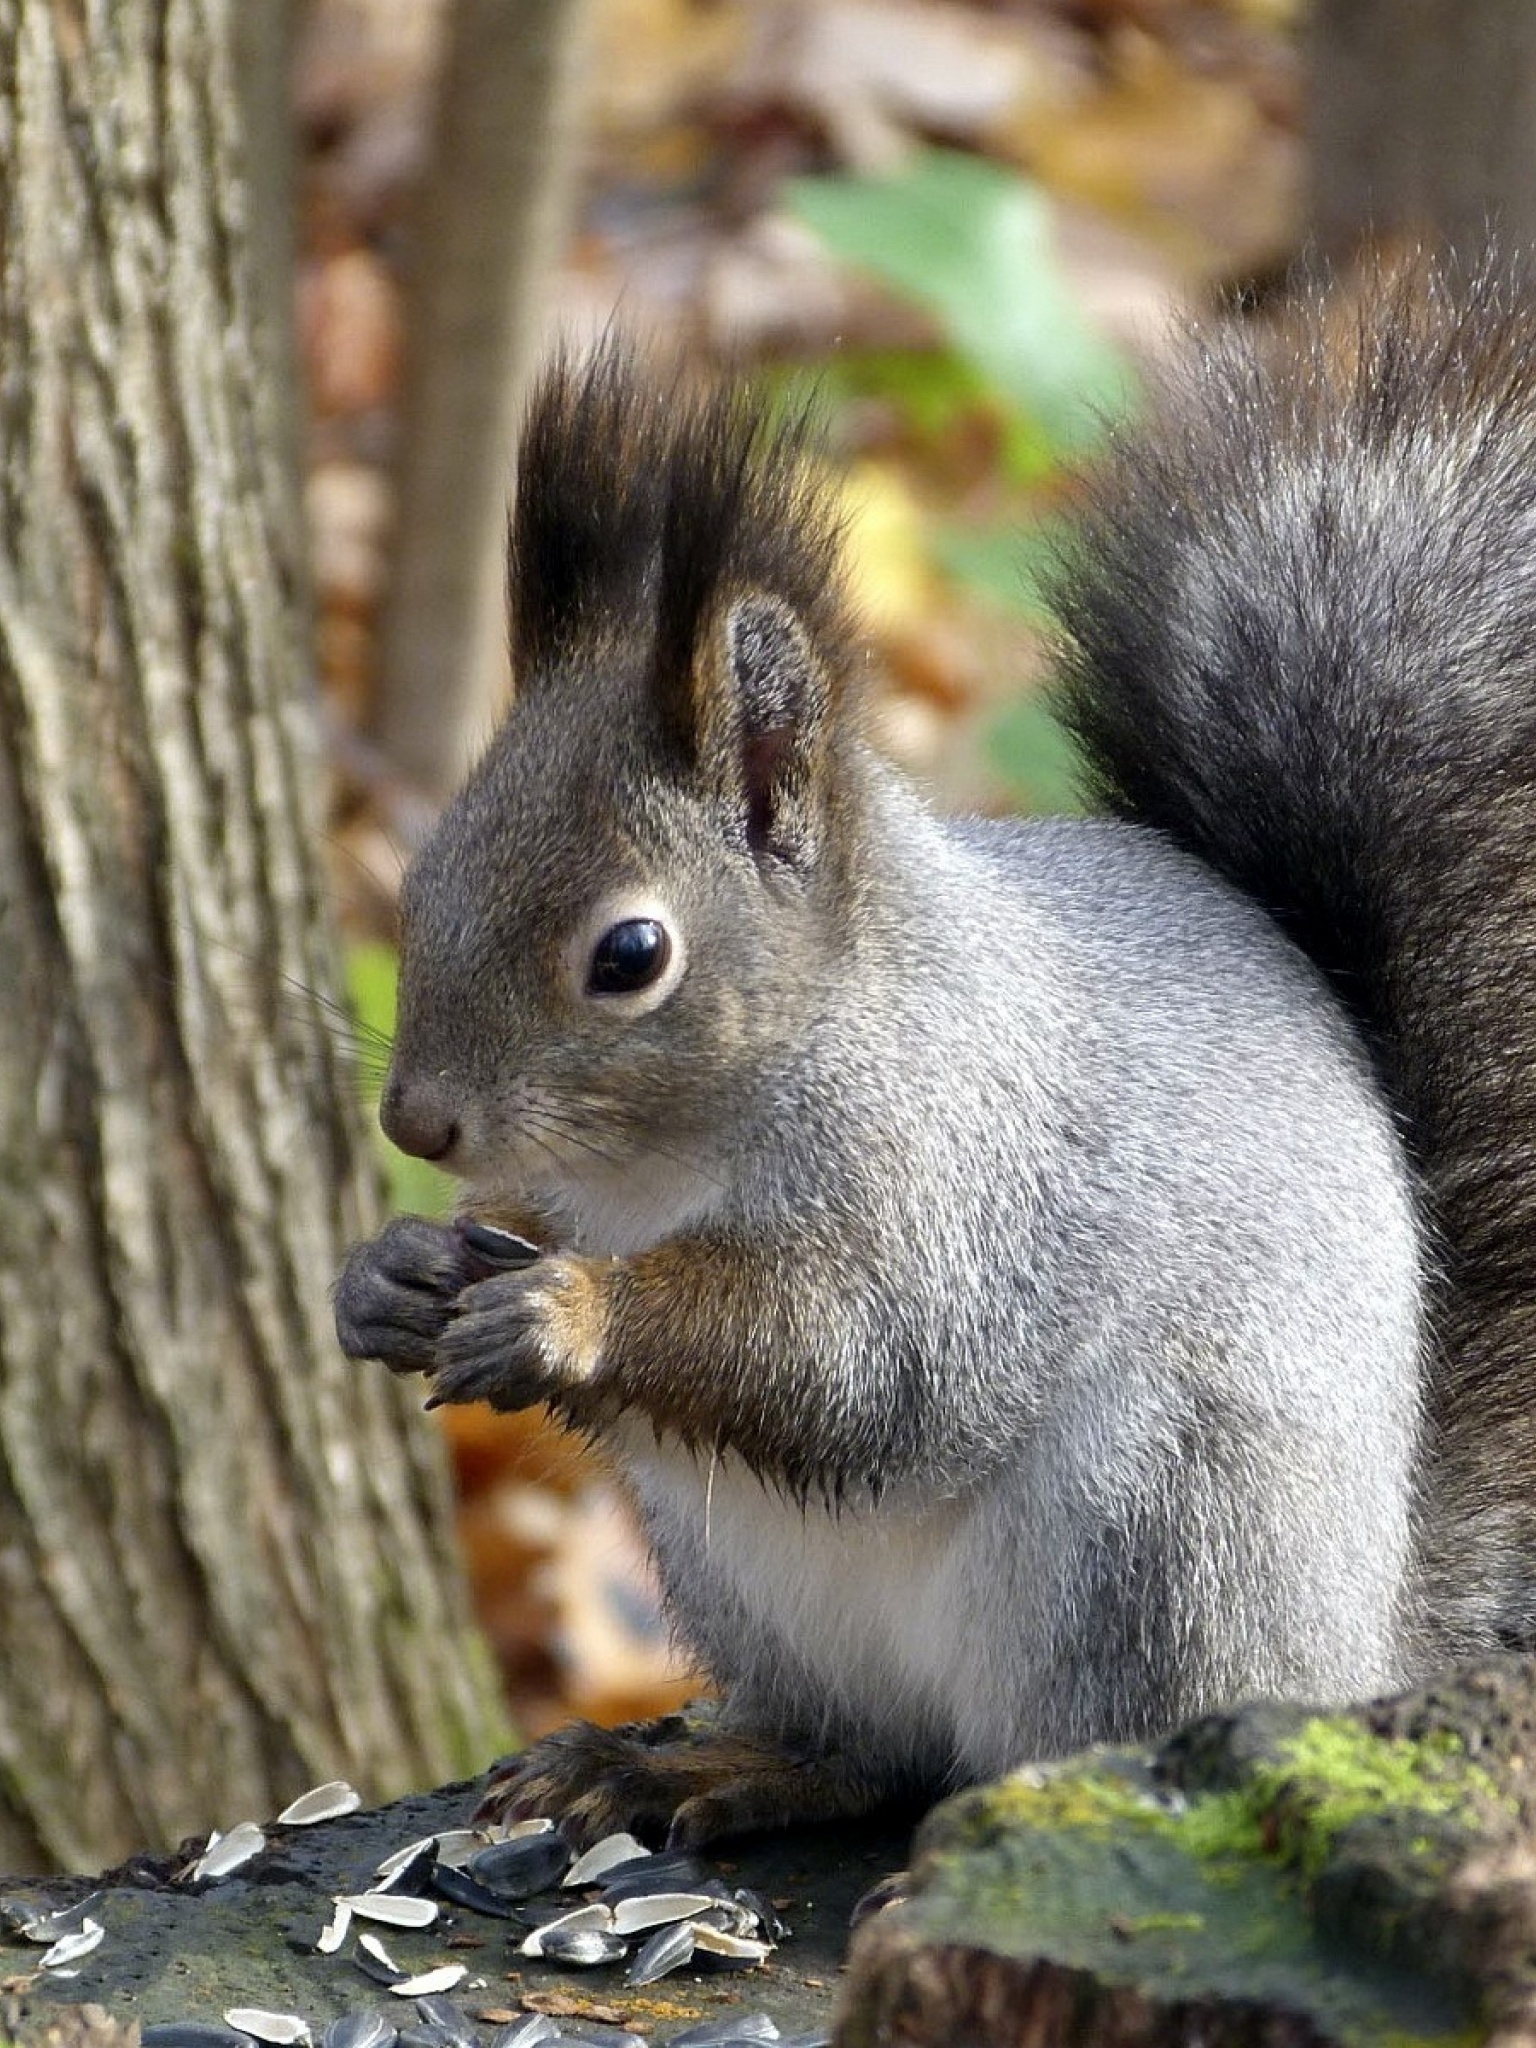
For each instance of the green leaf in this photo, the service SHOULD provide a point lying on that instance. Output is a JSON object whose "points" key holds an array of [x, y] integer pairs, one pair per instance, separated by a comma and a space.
{"points": [[1007, 564], [935, 390], [971, 242], [373, 970], [1032, 752], [373, 974]]}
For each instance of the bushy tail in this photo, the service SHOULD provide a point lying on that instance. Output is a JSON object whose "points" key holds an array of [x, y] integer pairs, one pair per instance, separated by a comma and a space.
{"points": [[1302, 642]]}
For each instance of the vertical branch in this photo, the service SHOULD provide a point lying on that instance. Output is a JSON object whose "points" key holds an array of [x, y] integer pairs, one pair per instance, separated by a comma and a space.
{"points": [[491, 215], [1423, 122]]}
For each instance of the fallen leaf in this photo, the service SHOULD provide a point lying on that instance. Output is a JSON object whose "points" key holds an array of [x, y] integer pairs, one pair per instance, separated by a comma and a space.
{"points": [[557, 2005]]}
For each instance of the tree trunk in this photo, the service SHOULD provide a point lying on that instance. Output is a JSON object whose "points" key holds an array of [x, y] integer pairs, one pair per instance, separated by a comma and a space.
{"points": [[1423, 123], [223, 1571], [487, 227]]}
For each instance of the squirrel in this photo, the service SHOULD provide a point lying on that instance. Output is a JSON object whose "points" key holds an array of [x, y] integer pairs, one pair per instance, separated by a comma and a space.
{"points": [[1039, 1281]]}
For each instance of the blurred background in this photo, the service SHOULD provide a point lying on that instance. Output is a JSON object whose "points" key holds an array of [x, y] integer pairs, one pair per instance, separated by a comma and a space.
{"points": [[273, 281], [968, 227]]}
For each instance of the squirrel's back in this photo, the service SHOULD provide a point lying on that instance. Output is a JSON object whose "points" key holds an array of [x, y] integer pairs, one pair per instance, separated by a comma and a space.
{"points": [[1302, 624]]}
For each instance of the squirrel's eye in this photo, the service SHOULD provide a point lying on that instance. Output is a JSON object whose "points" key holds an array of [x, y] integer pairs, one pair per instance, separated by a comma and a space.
{"points": [[629, 956]]}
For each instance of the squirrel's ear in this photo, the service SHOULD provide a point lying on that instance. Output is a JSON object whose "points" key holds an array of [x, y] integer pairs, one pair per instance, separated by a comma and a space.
{"points": [[778, 690]]}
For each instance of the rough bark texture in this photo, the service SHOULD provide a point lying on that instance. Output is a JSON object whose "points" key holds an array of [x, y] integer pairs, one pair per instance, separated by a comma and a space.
{"points": [[1423, 122], [1268, 1877], [222, 1568], [497, 190]]}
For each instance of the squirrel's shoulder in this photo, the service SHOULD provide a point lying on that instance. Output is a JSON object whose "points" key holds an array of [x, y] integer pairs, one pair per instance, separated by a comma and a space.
{"points": [[1113, 883], [1096, 935]]}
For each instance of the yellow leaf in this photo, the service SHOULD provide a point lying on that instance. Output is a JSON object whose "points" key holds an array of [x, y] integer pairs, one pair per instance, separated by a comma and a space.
{"points": [[887, 562]]}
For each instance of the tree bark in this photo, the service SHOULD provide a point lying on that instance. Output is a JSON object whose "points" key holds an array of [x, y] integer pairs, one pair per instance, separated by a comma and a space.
{"points": [[1423, 125], [223, 1571], [498, 186]]}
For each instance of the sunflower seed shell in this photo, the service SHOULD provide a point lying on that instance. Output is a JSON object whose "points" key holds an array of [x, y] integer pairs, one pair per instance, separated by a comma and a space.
{"points": [[527, 2032], [18, 1915], [673, 1870], [598, 2034], [377, 1972], [667, 1950], [335, 1930], [737, 2026], [568, 1923], [69, 1948], [401, 1859], [735, 1948], [192, 2034], [518, 1830], [442, 1979], [582, 1948], [282, 2029], [391, 1909], [459, 1844], [463, 1890], [634, 1916], [228, 1853], [604, 1856], [753, 1903], [437, 2011], [518, 1868], [321, 1802], [359, 2030], [500, 1249], [371, 1946]]}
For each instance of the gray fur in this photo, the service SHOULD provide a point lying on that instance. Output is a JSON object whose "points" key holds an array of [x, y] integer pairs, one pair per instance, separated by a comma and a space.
{"points": [[1144, 1286]]}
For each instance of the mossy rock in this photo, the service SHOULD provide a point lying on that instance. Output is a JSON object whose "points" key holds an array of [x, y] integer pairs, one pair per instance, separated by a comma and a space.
{"points": [[1275, 1876]]}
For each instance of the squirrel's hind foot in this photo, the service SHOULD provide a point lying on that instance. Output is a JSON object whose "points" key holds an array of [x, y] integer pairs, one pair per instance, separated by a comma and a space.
{"points": [[677, 1777]]}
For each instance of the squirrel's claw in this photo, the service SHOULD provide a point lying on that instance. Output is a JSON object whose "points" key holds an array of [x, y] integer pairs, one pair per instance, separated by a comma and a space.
{"points": [[397, 1291], [522, 1336], [674, 1777]]}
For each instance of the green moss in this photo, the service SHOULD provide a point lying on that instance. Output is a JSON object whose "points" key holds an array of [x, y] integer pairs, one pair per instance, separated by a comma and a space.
{"points": [[1096, 1800], [1334, 1772], [1292, 1808], [1089, 1798], [1129, 1925]]}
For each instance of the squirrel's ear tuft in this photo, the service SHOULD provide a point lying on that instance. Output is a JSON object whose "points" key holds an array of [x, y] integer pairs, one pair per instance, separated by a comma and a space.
{"points": [[782, 697], [753, 667]]}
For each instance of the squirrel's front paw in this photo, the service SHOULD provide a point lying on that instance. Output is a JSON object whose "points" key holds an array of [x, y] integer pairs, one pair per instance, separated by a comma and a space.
{"points": [[522, 1337], [678, 1776], [397, 1291]]}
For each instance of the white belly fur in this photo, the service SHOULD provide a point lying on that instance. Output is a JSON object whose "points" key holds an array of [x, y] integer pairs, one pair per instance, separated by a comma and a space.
{"points": [[876, 1603]]}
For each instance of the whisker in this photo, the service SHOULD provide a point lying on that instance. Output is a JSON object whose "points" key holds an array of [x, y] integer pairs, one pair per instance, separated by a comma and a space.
{"points": [[564, 1121]]}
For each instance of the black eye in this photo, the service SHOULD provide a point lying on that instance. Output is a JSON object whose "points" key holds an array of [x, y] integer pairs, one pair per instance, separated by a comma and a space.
{"points": [[628, 956]]}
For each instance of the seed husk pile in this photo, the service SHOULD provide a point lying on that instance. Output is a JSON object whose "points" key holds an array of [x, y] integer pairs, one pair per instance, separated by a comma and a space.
{"points": [[616, 1904]]}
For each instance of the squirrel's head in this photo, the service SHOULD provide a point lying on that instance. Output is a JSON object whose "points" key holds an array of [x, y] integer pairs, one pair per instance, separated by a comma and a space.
{"points": [[622, 923]]}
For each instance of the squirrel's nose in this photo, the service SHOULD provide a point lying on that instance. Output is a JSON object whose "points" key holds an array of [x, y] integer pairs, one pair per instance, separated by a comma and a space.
{"points": [[418, 1117]]}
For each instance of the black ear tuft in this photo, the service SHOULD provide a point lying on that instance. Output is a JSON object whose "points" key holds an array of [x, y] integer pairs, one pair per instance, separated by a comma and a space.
{"points": [[752, 535], [687, 536], [782, 698], [585, 530]]}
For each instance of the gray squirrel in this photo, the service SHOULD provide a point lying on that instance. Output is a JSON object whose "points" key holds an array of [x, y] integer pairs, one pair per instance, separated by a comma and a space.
{"points": [[1037, 1281]]}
